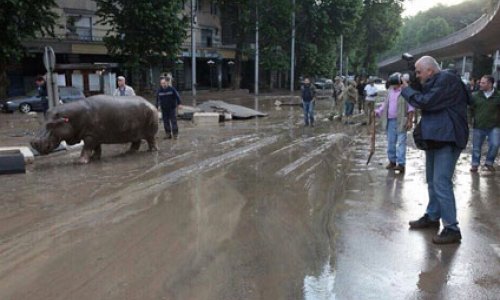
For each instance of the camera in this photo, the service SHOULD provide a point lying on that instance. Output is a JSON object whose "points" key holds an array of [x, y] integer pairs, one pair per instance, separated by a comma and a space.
{"points": [[410, 75]]}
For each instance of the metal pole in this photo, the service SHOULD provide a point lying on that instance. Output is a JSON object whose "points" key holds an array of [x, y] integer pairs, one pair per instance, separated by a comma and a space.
{"points": [[347, 66], [496, 62], [463, 65], [111, 90], [193, 48], [341, 53], [256, 88], [292, 60]]}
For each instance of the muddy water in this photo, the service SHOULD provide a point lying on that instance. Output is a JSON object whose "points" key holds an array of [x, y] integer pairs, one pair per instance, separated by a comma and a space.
{"points": [[238, 211], [258, 209]]}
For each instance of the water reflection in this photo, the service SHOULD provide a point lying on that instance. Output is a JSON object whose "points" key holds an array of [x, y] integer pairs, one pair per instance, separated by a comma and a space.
{"points": [[321, 286]]}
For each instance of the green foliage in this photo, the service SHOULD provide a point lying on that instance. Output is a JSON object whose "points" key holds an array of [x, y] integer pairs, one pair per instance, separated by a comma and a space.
{"points": [[143, 31], [378, 29], [435, 28], [20, 20], [319, 26]]}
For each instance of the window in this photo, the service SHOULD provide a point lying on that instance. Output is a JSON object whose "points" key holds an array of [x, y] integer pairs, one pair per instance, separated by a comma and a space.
{"points": [[214, 9], [79, 27], [206, 37]]}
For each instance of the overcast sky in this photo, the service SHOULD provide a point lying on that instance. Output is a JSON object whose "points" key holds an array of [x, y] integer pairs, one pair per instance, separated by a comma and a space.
{"points": [[412, 7]]}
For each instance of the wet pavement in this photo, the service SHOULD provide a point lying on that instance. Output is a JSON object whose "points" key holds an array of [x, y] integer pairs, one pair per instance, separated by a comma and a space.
{"points": [[258, 209]]}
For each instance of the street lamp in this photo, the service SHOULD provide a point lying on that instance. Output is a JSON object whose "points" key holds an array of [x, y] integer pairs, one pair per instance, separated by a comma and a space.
{"points": [[211, 63]]}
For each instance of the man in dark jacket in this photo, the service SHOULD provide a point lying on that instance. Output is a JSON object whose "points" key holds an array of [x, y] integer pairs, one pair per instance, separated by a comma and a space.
{"points": [[443, 102], [486, 114], [168, 99], [41, 88], [308, 98]]}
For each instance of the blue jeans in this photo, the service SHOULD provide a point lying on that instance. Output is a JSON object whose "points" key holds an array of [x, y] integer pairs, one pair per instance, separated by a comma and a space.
{"points": [[478, 137], [396, 143], [348, 108], [308, 112], [170, 121], [439, 169]]}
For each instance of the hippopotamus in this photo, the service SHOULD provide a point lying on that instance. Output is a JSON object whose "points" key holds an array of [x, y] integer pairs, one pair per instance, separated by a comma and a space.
{"points": [[99, 120]]}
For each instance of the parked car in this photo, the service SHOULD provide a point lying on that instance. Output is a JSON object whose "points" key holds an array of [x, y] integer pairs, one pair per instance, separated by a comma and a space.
{"points": [[324, 83], [31, 102]]}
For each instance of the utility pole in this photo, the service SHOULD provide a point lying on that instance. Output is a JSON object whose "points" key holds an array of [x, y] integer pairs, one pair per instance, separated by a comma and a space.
{"points": [[341, 53], [256, 88], [292, 60], [193, 48], [347, 66], [464, 62]]}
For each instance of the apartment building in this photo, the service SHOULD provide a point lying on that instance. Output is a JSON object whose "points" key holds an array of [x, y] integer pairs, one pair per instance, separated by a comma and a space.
{"points": [[82, 58]]}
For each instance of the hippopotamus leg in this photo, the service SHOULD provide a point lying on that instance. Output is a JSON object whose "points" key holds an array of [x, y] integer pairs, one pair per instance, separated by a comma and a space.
{"points": [[86, 154], [97, 153], [152, 143], [134, 147]]}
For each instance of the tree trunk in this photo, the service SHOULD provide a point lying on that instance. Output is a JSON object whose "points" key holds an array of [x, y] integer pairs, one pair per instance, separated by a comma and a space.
{"points": [[4, 82]]}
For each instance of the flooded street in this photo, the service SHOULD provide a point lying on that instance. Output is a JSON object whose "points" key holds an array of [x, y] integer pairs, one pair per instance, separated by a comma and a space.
{"points": [[256, 209]]}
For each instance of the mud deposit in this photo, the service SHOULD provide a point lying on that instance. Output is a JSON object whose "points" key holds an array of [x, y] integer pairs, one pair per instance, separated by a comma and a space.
{"points": [[258, 209]]}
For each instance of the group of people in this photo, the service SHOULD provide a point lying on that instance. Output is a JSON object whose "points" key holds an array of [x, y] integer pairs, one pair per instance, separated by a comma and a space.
{"points": [[167, 100], [446, 105]]}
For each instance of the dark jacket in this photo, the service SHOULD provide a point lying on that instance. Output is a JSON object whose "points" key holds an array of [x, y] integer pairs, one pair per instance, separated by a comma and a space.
{"points": [[42, 93], [167, 98], [486, 112], [443, 101], [308, 93]]}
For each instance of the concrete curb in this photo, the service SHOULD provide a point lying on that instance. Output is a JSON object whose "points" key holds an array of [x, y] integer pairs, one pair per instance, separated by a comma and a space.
{"points": [[28, 155]]}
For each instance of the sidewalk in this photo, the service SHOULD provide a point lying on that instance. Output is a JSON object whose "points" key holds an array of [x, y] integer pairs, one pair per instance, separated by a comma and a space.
{"points": [[378, 257]]}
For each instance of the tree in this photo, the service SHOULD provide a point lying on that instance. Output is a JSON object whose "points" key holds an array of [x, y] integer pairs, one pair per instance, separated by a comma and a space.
{"points": [[143, 32], [318, 30], [318, 26], [21, 20], [435, 28], [379, 28]]}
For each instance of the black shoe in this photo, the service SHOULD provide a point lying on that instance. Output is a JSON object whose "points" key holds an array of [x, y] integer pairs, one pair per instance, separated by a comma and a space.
{"points": [[424, 222], [399, 168], [168, 136], [176, 136], [447, 236], [390, 166]]}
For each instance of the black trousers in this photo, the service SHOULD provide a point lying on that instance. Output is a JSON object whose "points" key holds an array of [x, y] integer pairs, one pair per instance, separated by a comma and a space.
{"points": [[170, 121]]}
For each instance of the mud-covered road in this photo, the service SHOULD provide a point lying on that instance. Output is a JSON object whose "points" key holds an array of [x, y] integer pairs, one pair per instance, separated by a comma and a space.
{"points": [[258, 209]]}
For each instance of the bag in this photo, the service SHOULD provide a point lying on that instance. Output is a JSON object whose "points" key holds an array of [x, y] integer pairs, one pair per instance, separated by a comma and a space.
{"points": [[417, 137], [427, 144]]}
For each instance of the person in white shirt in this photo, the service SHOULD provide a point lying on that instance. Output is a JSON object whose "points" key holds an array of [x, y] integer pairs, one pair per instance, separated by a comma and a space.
{"points": [[371, 94], [123, 89]]}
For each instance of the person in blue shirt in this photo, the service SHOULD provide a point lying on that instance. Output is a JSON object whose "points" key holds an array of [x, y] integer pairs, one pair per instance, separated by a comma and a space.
{"points": [[168, 99]]}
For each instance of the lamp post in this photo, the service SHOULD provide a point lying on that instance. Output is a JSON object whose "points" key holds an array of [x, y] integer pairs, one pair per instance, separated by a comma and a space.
{"points": [[211, 64]]}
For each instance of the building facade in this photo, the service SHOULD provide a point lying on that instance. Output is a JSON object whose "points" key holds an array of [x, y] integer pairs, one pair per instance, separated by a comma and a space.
{"points": [[83, 60]]}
